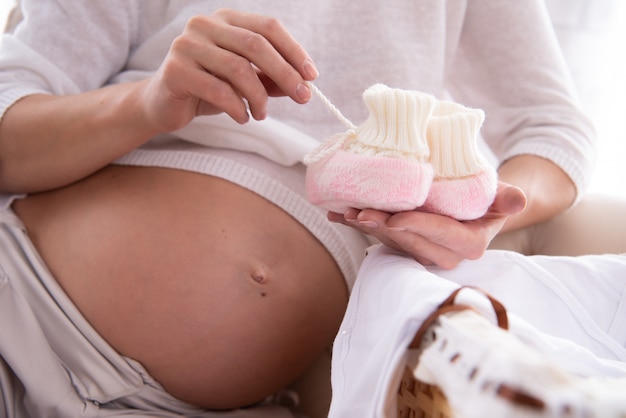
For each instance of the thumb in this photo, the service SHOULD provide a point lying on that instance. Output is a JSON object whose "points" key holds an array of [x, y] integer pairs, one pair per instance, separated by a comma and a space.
{"points": [[509, 200]]}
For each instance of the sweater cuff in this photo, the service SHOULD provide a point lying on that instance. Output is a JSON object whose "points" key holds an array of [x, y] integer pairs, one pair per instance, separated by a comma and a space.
{"points": [[9, 97], [578, 169]]}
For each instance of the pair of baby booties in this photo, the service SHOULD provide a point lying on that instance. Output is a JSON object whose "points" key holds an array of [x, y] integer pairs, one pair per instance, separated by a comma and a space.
{"points": [[413, 152]]}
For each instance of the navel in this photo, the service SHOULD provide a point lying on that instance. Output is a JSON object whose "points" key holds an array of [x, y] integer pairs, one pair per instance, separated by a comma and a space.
{"points": [[260, 277]]}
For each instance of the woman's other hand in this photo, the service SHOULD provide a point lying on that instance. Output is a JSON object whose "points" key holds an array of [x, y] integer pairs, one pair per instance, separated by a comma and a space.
{"points": [[435, 239]]}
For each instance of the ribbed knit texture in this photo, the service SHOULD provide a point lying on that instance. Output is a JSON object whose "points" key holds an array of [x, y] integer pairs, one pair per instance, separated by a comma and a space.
{"points": [[396, 125], [464, 184], [425, 46], [452, 138], [412, 153], [382, 164]]}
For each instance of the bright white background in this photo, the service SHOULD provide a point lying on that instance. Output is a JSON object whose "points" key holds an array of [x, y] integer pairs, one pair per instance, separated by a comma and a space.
{"points": [[593, 36]]}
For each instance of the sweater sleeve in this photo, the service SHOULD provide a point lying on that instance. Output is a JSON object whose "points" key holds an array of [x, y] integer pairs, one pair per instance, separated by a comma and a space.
{"points": [[65, 47], [509, 63]]}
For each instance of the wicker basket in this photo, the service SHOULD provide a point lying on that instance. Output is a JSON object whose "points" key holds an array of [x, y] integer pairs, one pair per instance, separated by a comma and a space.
{"points": [[417, 399], [420, 400]]}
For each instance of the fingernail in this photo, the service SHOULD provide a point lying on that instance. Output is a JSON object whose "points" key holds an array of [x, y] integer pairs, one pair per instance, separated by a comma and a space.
{"points": [[351, 214], [369, 224], [245, 118], [261, 114], [310, 70], [303, 92]]}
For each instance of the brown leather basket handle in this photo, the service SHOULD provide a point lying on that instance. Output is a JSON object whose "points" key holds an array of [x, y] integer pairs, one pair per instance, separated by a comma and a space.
{"points": [[448, 305]]}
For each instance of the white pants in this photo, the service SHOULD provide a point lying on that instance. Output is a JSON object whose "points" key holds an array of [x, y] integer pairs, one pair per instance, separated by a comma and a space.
{"points": [[572, 309]]}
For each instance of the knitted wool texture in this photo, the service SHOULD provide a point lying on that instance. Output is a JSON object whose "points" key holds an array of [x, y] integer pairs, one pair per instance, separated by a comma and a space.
{"points": [[412, 153], [465, 183]]}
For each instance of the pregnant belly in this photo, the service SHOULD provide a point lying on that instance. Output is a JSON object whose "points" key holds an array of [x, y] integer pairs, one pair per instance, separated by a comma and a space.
{"points": [[220, 294]]}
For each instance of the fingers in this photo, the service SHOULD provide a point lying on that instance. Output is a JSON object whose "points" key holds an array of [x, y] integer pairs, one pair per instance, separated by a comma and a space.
{"points": [[442, 240], [226, 79], [215, 94], [255, 45], [435, 239], [428, 238], [248, 53]]}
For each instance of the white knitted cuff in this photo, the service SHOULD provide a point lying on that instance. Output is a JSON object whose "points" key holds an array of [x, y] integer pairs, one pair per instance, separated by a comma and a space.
{"points": [[396, 124], [452, 138]]}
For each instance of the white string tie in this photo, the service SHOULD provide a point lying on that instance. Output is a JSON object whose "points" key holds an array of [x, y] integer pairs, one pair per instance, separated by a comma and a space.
{"points": [[334, 142], [331, 107]]}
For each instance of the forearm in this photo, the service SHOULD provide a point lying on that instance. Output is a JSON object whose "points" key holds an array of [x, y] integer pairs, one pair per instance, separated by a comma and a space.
{"points": [[50, 141], [548, 189]]}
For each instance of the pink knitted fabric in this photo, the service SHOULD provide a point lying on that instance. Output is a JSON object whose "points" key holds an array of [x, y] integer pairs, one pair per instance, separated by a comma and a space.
{"points": [[345, 180], [463, 198], [412, 153], [465, 183], [382, 164]]}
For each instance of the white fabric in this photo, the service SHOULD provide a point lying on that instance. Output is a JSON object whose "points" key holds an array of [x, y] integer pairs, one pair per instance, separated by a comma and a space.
{"points": [[571, 309], [270, 138], [483, 53], [495, 358]]}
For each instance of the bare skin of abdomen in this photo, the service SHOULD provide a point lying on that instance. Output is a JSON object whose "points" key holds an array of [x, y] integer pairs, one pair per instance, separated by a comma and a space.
{"points": [[221, 295]]}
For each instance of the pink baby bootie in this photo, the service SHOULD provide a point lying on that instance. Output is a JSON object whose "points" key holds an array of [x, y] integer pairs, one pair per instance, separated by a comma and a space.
{"points": [[382, 164], [465, 183]]}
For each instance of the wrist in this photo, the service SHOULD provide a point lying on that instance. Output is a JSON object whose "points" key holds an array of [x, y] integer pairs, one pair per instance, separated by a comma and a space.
{"points": [[548, 189], [126, 112]]}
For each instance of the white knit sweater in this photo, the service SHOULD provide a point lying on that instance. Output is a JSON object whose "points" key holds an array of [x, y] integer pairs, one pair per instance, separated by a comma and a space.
{"points": [[500, 56]]}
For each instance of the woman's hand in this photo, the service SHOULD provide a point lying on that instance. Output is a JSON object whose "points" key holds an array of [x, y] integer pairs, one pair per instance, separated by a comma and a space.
{"points": [[434, 239], [227, 62]]}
